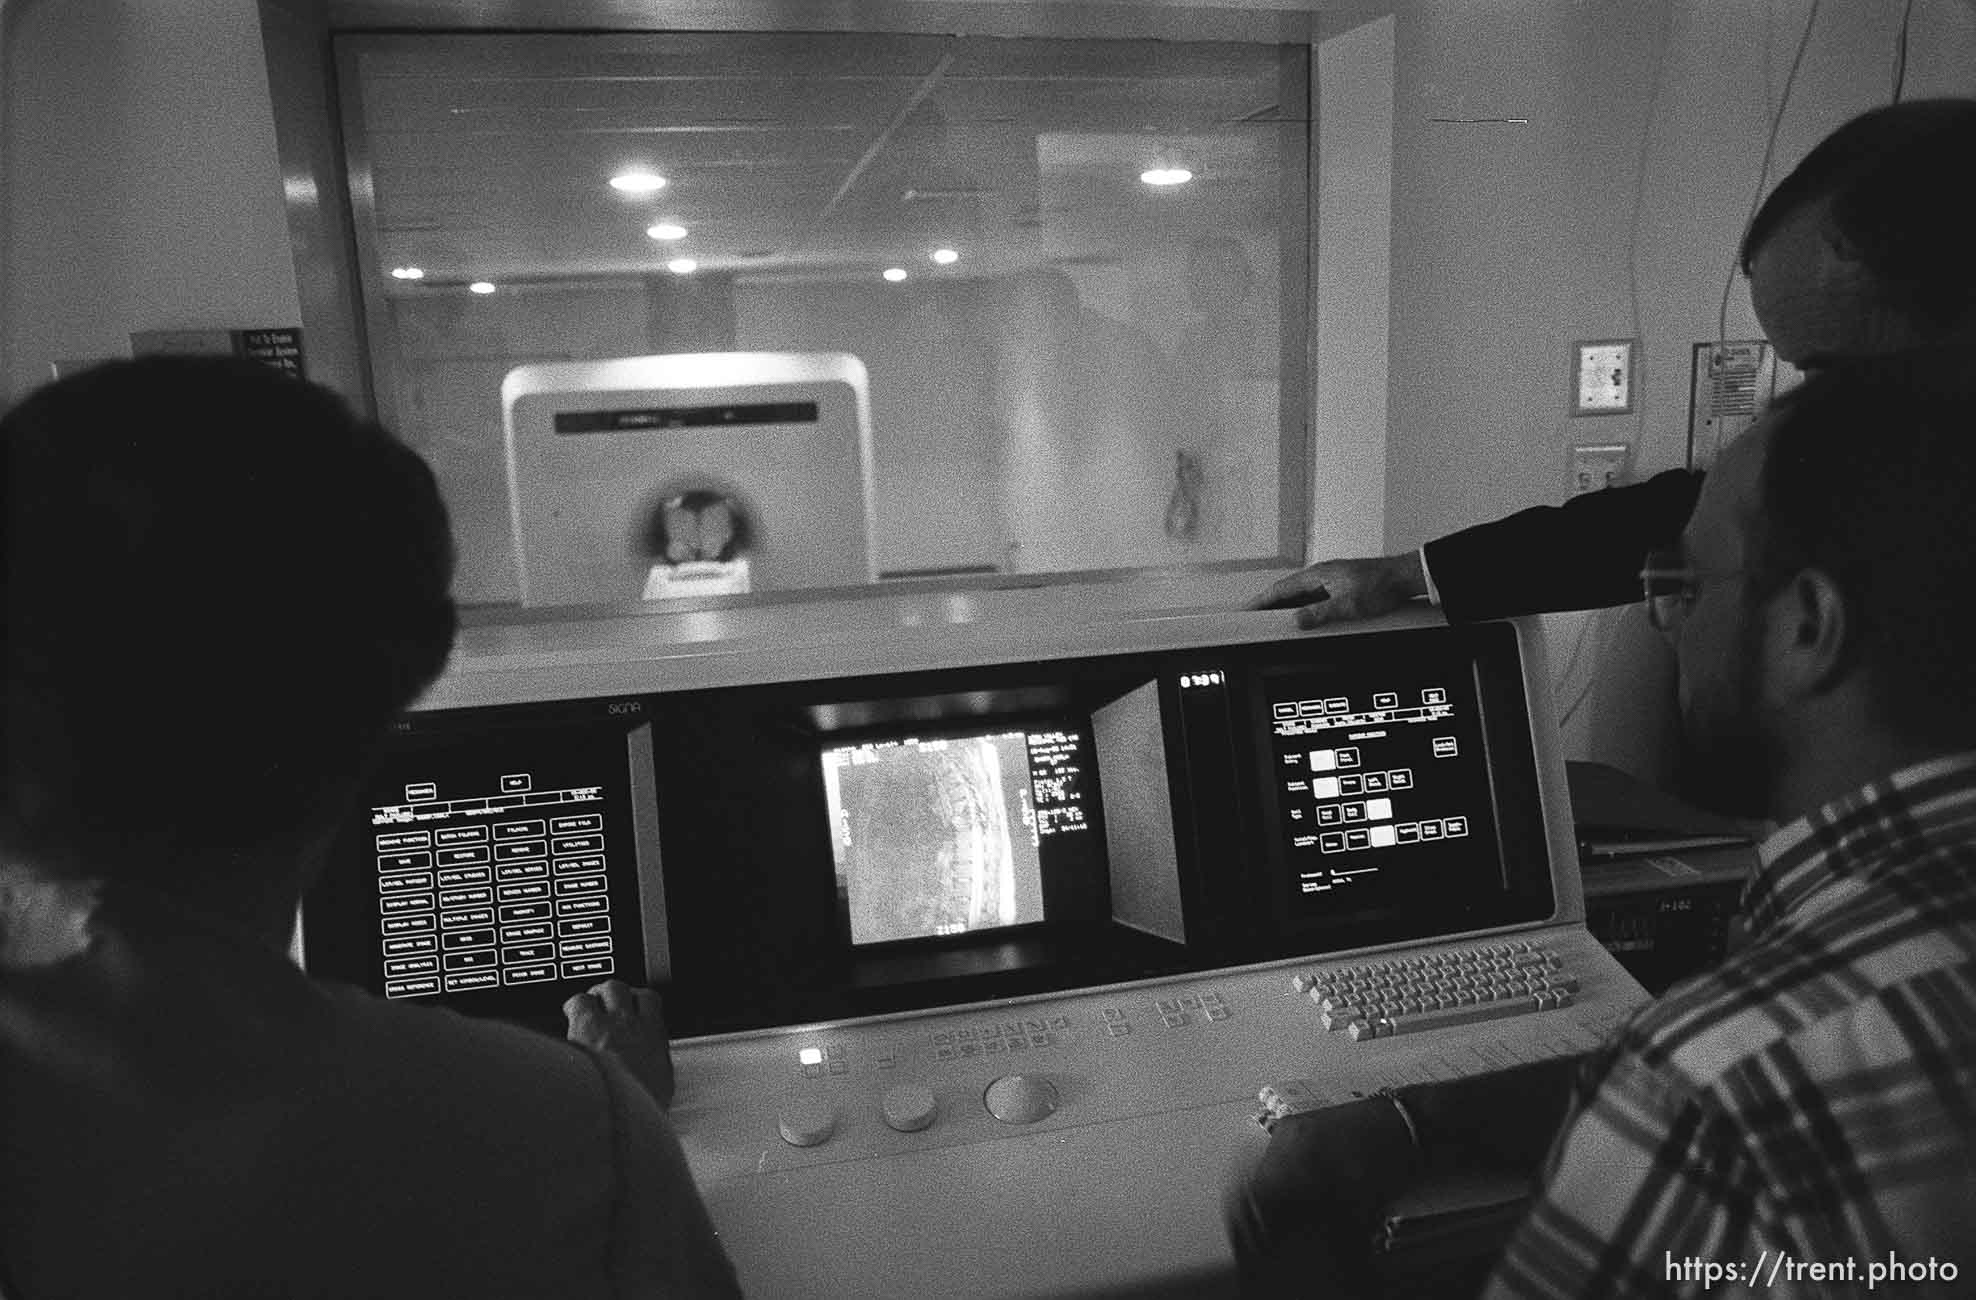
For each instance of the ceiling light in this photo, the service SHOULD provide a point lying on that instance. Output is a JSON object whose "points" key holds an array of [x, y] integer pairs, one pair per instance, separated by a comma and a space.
{"points": [[1166, 176], [895, 273], [407, 273], [638, 182], [682, 266], [946, 256], [481, 286], [666, 230]]}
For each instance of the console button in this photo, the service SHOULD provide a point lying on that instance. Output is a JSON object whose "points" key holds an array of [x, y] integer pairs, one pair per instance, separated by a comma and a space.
{"points": [[909, 1107], [808, 1122], [1021, 1098]]}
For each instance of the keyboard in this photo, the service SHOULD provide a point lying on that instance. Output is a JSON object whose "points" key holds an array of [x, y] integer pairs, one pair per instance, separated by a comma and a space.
{"points": [[1409, 995], [1435, 990]]}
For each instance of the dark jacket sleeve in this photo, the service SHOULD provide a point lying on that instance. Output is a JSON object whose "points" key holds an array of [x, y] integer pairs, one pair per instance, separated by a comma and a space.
{"points": [[1584, 554]]}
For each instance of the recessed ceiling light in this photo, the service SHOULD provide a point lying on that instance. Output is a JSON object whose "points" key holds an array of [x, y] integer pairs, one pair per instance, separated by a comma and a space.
{"points": [[1166, 176], [638, 182], [682, 266], [895, 273], [407, 273], [946, 256], [481, 286], [666, 230]]}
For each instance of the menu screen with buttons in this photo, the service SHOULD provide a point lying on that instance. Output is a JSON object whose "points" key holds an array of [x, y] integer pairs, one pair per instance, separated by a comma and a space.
{"points": [[944, 835], [1381, 784], [497, 870]]}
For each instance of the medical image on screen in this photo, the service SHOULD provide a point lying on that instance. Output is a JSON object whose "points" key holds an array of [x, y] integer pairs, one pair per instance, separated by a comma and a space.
{"points": [[936, 837]]}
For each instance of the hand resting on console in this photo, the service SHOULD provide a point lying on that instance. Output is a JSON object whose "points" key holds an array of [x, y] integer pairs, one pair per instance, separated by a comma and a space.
{"points": [[1449, 1165], [1336, 591], [630, 1024]]}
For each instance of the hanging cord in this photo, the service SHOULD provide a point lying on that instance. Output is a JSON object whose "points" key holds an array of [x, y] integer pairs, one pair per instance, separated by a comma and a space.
{"points": [[1900, 51], [1641, 167], [1763, 173]]}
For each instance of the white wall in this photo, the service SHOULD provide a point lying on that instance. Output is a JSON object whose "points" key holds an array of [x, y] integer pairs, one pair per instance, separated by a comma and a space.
{"points": [[1645, 134], [141, 184], [1511, 241]]}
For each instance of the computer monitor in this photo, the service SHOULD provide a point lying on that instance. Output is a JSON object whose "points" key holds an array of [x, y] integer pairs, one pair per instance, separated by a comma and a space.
{"points": [[849, 845], [1400, 799], [495, 870], [942, 835]]}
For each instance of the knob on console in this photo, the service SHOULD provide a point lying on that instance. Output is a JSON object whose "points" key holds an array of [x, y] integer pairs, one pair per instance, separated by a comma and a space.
{"points": [[1021, 1098], [808, 1122], [909, 1107]]}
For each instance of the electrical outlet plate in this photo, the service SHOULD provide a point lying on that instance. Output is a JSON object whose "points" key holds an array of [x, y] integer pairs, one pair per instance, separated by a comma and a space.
{"points": [[1729, 385], [1604, 376], [1595, 466]]}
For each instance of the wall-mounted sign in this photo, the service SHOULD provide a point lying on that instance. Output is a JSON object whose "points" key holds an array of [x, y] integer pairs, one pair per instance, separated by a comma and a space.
{"points": [[1730, 382], [280, 348]]}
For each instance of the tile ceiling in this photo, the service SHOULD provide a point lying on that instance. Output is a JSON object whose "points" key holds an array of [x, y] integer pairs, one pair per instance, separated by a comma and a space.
{"points": [[806, 155]]}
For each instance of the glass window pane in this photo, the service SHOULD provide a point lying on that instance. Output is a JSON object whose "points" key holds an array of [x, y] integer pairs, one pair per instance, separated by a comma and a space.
{"points": [[1072, 271]]}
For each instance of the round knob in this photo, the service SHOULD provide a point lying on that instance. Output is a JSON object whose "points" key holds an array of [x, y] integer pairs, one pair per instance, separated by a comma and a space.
{"points": [[1021, 1098], [909, 1107], [808, 1122]]}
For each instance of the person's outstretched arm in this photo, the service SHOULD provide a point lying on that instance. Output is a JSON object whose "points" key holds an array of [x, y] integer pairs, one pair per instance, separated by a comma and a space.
{"points": [[1585, 554]]}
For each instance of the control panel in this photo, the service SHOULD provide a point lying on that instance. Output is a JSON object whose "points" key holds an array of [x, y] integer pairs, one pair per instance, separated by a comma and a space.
{"points": [[987, 943], [920, 1122]]}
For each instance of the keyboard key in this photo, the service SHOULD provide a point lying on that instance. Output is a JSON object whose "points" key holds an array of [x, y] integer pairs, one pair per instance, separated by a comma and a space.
{"points": [[1465, 1015]]}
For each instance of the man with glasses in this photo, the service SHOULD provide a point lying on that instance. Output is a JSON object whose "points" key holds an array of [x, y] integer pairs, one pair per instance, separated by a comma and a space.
{"points": [[1809, 1102], [1806, 1111], [1863, 250]]}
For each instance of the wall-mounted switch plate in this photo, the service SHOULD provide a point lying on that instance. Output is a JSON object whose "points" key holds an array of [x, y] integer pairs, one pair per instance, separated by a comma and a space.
{"points": [[1604, 376]]}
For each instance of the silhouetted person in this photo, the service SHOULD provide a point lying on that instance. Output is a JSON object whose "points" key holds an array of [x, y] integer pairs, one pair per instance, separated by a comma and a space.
{"points": [[220, 589], [1226, 367], [1090, 431]]}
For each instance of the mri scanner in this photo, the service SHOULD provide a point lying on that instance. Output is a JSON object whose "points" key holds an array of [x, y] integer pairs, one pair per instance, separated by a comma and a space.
{"points": [[596, 448]]}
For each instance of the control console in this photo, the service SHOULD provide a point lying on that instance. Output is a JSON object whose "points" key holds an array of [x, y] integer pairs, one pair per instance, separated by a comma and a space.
{"points": [[1031, 1121], [986, 944]]}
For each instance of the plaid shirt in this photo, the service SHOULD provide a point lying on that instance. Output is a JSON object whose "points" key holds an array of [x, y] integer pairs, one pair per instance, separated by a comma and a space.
{"points": [[1810, 1102]]}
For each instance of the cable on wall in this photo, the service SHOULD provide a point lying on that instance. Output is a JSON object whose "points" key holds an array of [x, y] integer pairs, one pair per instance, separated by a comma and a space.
{"points": [[1900, 51], [1763, 173], [1642, 166]]}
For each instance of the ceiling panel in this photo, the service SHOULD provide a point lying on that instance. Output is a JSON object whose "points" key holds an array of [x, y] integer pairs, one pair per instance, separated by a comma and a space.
{"points": [[488, 157]]}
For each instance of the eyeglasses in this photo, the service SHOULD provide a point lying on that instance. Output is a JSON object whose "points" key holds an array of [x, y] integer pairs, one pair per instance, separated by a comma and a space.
{"points": [[1670, 587]]}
